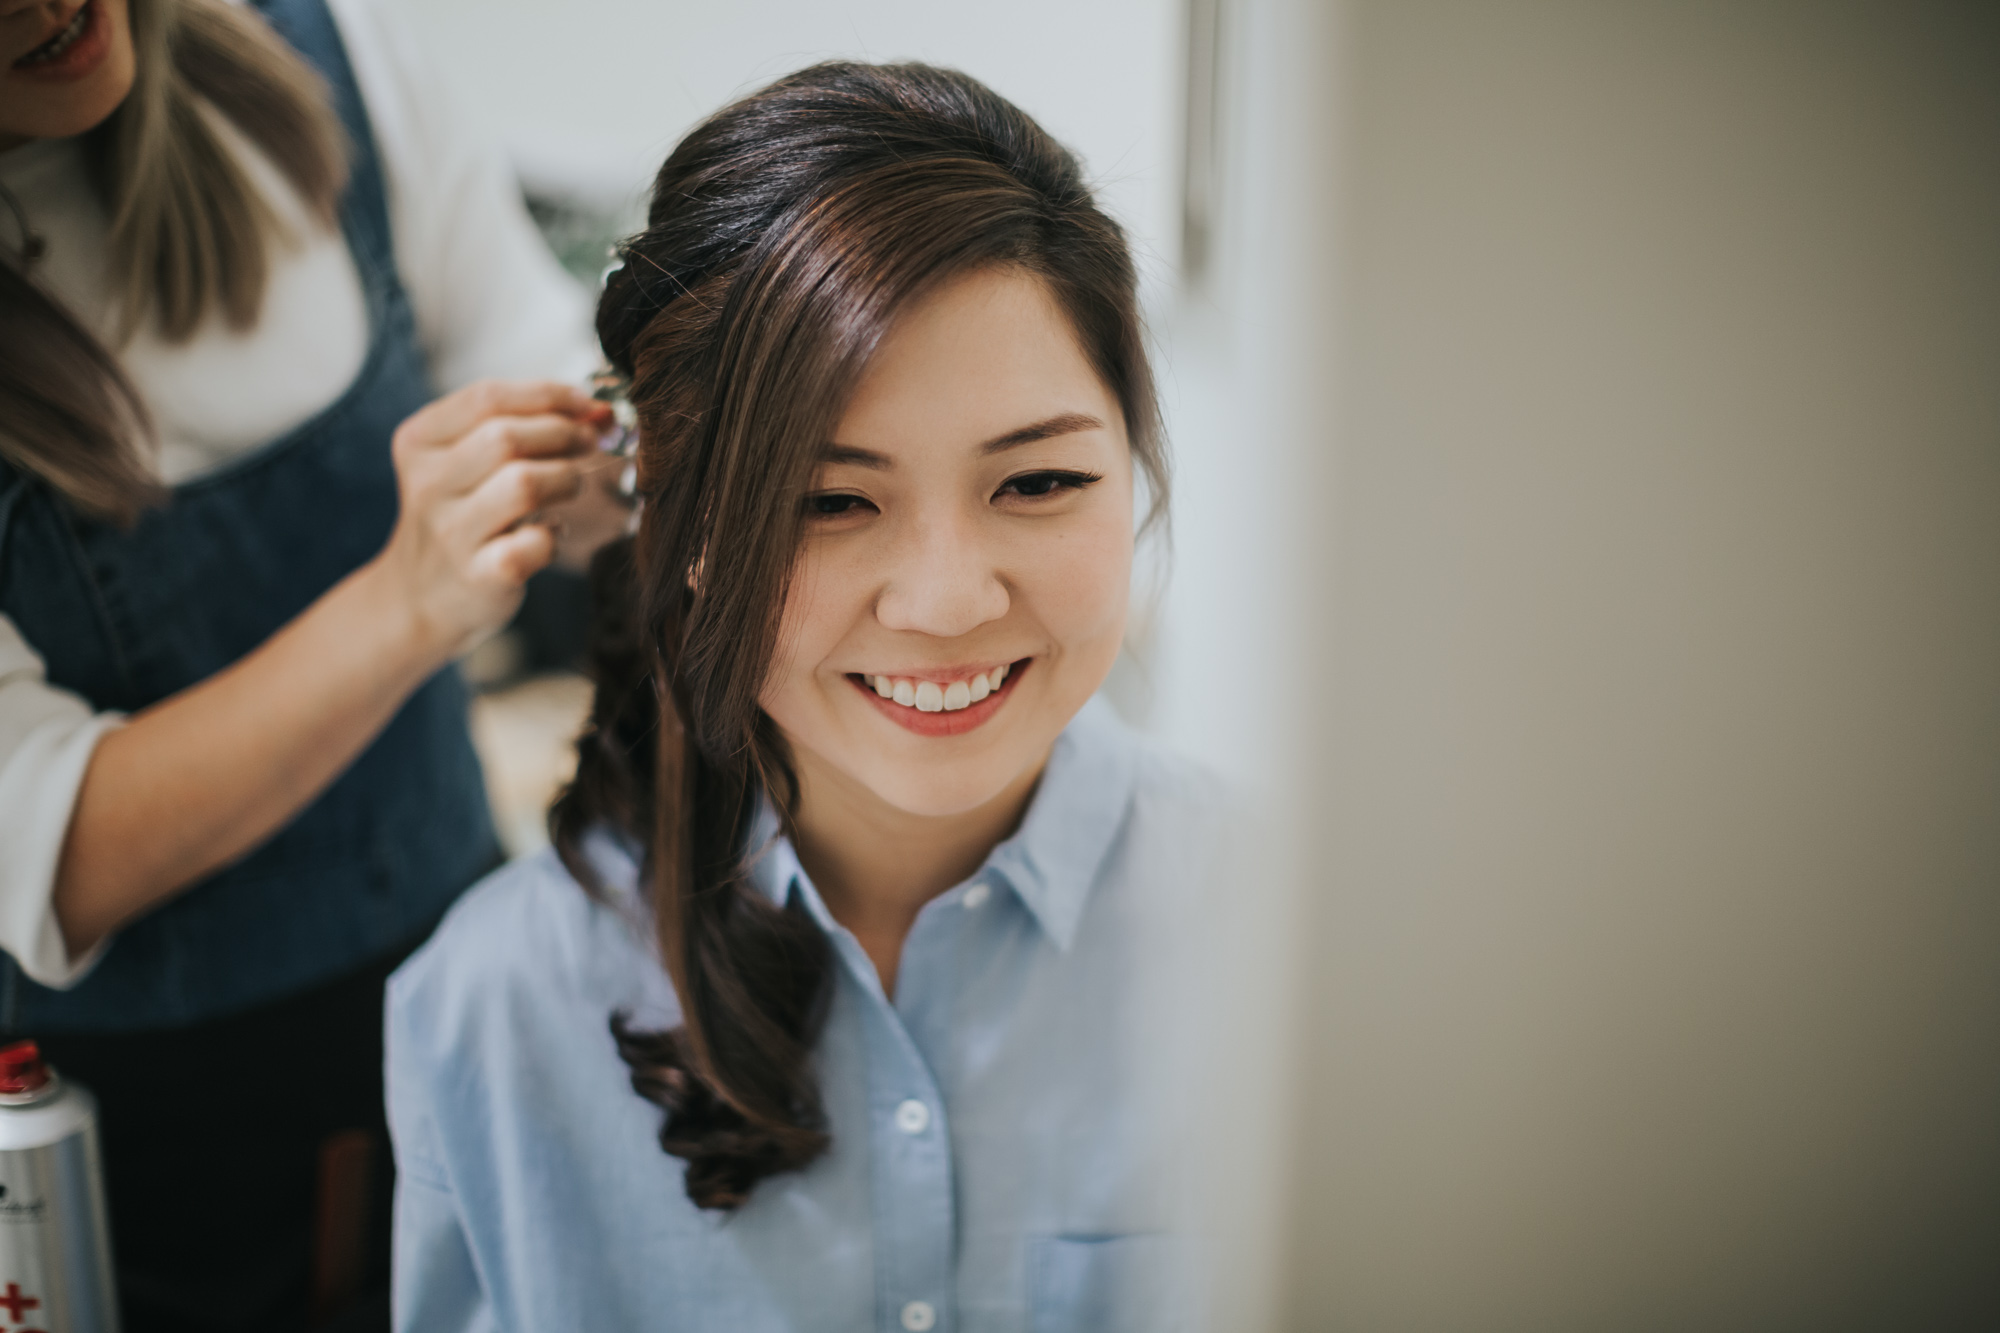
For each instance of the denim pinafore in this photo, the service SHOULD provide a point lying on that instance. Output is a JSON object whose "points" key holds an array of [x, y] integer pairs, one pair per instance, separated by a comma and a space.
{"points": [[126, 618]]}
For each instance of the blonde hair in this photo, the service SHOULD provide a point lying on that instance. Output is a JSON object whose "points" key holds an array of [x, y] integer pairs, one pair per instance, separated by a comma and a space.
{"points": [[190, 235]]}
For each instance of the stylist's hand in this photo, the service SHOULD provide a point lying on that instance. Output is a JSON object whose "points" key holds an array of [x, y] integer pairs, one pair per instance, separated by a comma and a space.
{"points": [[474, 470]]}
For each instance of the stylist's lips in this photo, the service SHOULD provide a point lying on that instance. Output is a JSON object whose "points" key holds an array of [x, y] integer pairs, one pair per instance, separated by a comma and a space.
{"points": [[942, 707], [73, 50]]}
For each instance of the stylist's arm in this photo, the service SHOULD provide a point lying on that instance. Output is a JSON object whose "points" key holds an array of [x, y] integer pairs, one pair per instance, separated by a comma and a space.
{"points": [[196, 781]]}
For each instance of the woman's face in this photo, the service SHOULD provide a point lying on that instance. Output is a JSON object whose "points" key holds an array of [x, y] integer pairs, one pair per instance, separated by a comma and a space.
{"points": [[968, 554], [65, 65]]}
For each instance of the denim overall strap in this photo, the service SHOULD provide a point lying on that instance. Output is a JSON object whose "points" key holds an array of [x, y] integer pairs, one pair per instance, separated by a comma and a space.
{"points": [[309, 27], [127, 617]]}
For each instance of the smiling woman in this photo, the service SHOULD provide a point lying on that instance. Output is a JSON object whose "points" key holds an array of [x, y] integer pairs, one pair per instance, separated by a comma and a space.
{"points": [[821, 410], [868, 874]]}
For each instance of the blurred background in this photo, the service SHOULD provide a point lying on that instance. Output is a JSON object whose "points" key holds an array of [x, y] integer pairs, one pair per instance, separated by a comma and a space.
{"points": [[1586, 559]]}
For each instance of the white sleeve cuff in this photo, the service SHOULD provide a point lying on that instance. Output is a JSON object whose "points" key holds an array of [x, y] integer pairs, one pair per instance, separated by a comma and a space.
{"points": [[47, 736]]}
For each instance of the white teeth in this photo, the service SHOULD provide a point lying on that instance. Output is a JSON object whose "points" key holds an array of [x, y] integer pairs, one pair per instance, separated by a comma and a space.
{"points": [[927, 696], [63, 40]]}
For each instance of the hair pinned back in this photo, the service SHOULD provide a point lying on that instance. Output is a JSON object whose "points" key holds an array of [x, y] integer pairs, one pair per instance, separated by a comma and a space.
{"points": [[785, 235]]}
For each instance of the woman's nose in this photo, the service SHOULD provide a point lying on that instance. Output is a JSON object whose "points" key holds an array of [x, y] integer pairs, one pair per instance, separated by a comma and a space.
{"points": [[943, 582]]}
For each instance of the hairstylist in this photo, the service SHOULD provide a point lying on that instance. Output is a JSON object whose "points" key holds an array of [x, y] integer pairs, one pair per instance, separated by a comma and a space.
{"points": [[238, 247]]}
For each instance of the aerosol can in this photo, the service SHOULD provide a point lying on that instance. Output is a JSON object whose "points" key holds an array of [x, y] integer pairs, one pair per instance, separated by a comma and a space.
{"points": [[55, 1244]]}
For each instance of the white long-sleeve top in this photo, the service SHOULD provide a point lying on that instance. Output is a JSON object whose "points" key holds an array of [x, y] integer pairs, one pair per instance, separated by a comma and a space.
{"points": [[488, 298]]}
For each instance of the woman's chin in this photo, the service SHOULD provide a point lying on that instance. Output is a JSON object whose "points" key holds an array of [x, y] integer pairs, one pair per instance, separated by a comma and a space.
{"points": [[941, 791]]}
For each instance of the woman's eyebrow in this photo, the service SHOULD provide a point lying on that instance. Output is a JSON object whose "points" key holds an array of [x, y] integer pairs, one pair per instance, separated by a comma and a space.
{"points": [[1066, 423], [854, 456]]}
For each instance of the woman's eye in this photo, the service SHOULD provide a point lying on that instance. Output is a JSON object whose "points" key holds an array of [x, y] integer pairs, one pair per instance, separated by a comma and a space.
{"points": [[833, 504], [1034, 485]]}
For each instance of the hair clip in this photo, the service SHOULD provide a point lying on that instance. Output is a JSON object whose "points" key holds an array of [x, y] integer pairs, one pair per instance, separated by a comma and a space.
{"points": [[622, 438]]}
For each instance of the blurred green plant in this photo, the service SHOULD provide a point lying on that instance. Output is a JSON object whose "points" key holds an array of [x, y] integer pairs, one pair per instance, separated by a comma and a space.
{"points": [[583, 233]]}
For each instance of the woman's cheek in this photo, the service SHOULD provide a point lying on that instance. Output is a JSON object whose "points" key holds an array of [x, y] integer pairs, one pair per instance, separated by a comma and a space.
{"points": [[807, 630], [1083, 582]]}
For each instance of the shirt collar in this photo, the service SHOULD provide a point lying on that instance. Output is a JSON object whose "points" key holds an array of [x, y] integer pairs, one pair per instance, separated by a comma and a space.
{"points": [[1079, 808], [1052, 860]]}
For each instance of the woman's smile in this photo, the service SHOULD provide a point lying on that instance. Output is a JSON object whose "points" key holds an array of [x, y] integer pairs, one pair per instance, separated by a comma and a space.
{"points": [[73, 50], [64, 68], [941, 703]]}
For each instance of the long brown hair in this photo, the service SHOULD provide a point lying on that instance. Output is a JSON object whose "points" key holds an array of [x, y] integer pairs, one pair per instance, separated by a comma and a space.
{"points": [[189, 234], [785, 235]]}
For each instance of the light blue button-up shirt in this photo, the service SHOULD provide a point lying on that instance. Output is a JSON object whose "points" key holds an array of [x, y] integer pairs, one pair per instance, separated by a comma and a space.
{"points": [[1000, 1156]]}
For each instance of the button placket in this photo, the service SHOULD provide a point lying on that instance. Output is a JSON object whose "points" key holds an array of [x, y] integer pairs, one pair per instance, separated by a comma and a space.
{"points": [[910, 1170], [912, 1167]]}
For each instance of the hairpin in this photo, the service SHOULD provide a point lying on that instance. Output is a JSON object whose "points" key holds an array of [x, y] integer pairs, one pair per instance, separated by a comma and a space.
{"points": [[622, 438]]}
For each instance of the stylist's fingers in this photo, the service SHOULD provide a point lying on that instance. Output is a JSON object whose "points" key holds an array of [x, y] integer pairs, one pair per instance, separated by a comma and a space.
{"points": [[512, 493], [470, 469], [500, 440], [512, 557], [444, 421]]}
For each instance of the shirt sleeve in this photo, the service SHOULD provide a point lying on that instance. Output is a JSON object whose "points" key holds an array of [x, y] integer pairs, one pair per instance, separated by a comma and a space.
{"points": [[434, 1284], [47, 736], [434, 1287], [490, 300]]}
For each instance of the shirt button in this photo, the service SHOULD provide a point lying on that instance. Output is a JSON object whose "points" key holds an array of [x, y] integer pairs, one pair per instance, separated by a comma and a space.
{"points": [[918, 1316], [976, 896], [913, 1117]]}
